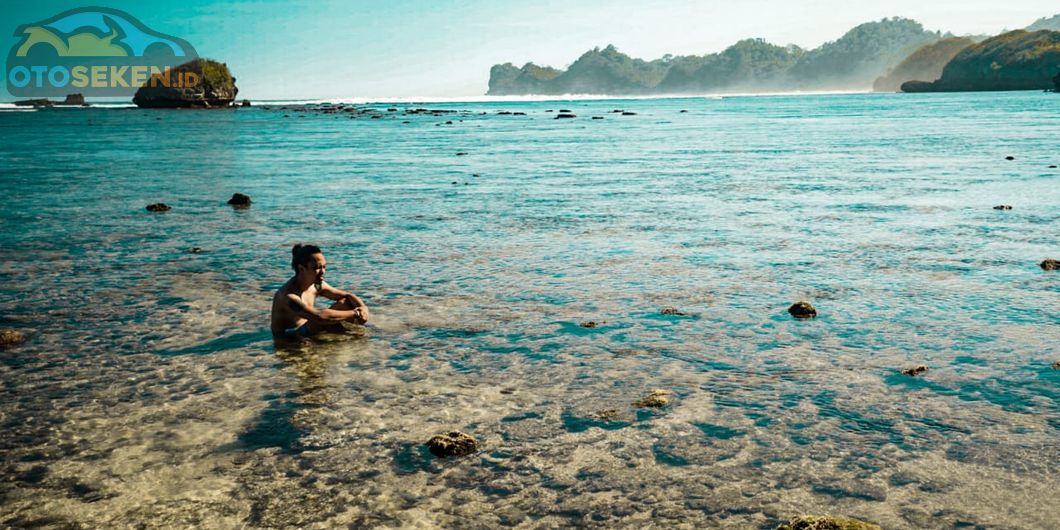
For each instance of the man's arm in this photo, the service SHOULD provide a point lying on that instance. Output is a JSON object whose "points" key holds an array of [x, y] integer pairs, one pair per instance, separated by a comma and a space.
{"points": [[327, 316], [331, 293]]}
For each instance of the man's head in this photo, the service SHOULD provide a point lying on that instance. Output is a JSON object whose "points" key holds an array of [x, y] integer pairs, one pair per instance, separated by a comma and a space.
{"points": [[308, 263]]}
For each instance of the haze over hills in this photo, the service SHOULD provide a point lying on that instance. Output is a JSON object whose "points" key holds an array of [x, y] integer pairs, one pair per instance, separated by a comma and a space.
{"points": [[889, 52]]}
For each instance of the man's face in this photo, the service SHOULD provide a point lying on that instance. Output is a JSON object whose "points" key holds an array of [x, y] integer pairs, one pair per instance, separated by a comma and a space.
{"points": [[316, 268]]}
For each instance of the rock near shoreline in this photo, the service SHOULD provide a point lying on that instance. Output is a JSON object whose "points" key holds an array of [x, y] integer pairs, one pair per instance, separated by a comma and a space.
{"points": [[215, 87]]}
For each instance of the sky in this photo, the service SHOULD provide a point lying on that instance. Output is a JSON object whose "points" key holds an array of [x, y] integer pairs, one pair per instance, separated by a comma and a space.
{"points": [[304, 49]]}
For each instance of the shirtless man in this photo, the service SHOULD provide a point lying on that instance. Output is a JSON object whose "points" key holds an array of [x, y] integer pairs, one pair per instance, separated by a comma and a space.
{"points": [[293, 311]]}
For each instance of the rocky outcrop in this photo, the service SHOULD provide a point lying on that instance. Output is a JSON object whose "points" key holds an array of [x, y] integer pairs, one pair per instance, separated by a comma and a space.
{"points": [[201, 83], [925, 64], [71, 99], [656, 399], [915, 371], [452, 444], [240, 200], [1017, 60], [158, 207], [10, 337], [1050, 265], [816, 522], [802, 310]]}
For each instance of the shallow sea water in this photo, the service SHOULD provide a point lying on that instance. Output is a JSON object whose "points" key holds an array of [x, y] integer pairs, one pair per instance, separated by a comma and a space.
{"points": [[150, 394]]}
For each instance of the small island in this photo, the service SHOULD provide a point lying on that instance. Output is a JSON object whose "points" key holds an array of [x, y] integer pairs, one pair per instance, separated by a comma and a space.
{"points": [[202, 83]]}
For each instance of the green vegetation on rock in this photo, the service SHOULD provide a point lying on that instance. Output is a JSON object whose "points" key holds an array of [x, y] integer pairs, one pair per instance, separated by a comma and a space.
{"points": [[216, 87], [1017, 60], [925, 64]]}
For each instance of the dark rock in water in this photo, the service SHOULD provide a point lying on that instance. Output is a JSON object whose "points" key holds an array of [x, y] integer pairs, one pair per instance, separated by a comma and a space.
{"points": [[462, 153], [215, 87], [568, 111], [74, 99], [673, 311], [627, 113], [1010, 158], [1052, 167], [802, 310], [1003, 207], [452, 444], [158, 207], [246, 103], [592, 324], [1050, 265], [815, 522], [239, 200], [684, 111], [518, 114], [392, 109], [564, 115], [598, 117], [617, 111], [195, 250], [915, 371], [504, 113], [656, 399], [10, 337], [34, 103]]}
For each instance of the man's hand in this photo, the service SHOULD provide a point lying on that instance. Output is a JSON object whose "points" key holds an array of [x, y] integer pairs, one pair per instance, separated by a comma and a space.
{"points": [[360, 309]]}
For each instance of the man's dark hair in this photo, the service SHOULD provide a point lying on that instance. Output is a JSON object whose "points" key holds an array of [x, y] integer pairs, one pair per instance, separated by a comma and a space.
{"points": [[302, 255]]}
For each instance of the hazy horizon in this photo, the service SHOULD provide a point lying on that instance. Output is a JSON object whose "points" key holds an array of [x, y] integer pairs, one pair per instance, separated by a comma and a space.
{"points": [[415, 48]]}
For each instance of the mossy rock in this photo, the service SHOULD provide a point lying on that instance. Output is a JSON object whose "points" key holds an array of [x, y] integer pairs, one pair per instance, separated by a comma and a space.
{"points": [[10, 337], [815, 522], [452, 444], [216, 88], [656, 399], [1050, 265]]}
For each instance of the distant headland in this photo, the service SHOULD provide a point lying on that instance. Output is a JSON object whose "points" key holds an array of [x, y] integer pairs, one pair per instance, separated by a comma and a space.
{"points": [[881, 55]]}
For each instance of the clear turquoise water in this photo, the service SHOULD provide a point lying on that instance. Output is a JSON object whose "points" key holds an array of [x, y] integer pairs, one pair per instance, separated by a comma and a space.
{"points": [[150, 391]]}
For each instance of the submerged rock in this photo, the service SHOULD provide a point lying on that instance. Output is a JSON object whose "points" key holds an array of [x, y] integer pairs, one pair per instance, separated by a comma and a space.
{"points": [[1003, 207], [673, 311], [240, 200], [802, 310], [564, 115], [10, 337], [628, 113], [1050, 265], [214, 87], [452, 444], [656, 399], [592, 324], [1010, 158], [818, 522], [158, 207], [915, 371]]}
